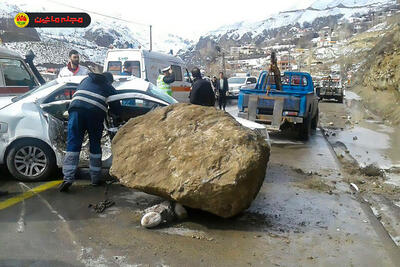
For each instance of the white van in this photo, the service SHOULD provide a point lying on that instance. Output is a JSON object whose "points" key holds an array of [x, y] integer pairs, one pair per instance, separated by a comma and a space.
{"points": [[148, 65]]}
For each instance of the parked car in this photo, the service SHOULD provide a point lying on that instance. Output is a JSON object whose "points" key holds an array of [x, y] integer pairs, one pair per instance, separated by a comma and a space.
{"points": [[330, 88], [238, 83]]}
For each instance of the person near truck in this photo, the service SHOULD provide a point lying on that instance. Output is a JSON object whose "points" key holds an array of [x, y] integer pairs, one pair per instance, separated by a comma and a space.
{"points": [[214, 84], [202, 93], [165, 79], [274, 69], [222, 87], [87, 112], [73, 67]]}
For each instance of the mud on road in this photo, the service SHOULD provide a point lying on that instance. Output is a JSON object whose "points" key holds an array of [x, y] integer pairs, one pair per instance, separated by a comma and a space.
{"points": [[305, 214], [367, 148]]}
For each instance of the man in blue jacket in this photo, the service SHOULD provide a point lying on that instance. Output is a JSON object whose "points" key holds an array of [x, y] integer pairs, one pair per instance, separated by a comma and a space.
{"points": [[87, 112]]}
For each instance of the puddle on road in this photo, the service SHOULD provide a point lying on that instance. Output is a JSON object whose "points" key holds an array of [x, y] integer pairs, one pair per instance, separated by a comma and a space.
{"points": [[371, 141]]}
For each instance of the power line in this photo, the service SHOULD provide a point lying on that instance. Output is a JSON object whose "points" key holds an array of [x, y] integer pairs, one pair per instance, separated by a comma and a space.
{"points": [[97, 13], [103, 15]]}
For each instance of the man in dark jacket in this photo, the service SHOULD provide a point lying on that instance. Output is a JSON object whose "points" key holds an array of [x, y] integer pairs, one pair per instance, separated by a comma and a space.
{"points": [[87, 112], [202, 93], [222, 87]]}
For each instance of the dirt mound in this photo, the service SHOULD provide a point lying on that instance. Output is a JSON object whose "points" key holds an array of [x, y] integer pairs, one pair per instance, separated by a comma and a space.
{"points": [[197, 156]]}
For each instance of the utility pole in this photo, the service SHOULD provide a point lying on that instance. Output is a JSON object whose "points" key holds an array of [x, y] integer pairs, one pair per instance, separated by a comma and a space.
{"points": [[223, 62], [289, 60], [151, 38]]}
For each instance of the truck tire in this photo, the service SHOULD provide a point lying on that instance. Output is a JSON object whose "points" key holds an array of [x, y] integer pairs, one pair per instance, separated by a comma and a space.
{"points": [[304, 129], [31, 160], [340, 99], [314, 122]]}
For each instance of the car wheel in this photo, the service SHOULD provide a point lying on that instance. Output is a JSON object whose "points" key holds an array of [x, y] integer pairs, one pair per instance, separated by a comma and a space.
{"points": [[304, 129], [31, 160], [314, 122]]}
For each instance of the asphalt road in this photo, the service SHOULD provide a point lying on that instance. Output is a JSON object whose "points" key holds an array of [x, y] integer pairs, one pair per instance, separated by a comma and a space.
{"points": [[305, 214]]}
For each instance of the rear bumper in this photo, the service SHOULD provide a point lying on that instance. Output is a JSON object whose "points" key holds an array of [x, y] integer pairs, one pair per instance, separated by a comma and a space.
{"points": [[330, 95], [233, 93], [268, 118]]}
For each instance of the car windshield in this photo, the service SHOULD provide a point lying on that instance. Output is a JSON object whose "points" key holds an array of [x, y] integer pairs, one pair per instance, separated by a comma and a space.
{"points": [[37, 89], [153, 90], [236, 80]]}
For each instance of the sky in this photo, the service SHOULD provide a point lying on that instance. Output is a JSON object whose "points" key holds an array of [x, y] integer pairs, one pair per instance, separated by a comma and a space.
{"points": [[189, 19]]}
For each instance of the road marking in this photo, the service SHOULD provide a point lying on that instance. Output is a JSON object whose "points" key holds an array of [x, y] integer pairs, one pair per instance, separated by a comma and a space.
{"points": [[47, 204], [28, 194], [21, 221]]}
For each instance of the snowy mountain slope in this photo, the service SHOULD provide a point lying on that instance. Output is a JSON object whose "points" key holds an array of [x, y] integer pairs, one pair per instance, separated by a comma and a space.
{"points": [[348, 3], [319, 9], [101, 33]]}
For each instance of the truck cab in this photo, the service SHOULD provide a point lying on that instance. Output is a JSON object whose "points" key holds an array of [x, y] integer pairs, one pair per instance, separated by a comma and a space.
{"points": [[296, 104]]}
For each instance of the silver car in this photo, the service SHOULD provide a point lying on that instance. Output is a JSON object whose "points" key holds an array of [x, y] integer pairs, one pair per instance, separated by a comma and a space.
{"points": [[33, 126], [238, 83]]}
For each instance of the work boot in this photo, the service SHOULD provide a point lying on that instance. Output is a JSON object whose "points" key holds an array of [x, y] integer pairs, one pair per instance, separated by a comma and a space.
{"points": [[3, 193], [64, 187]]}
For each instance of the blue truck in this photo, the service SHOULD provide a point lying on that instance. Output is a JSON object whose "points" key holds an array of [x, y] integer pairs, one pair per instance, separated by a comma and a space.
{"points": [[296, 105]]}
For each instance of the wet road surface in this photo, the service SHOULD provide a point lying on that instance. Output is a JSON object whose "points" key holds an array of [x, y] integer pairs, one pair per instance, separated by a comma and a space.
{"points": [[305, 214]]}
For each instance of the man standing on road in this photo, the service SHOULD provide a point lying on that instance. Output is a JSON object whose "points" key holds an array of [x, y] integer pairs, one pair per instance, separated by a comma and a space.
{"points": [[202, 93], [222, 87], [73, 68], [87, 112], [165, 79]]}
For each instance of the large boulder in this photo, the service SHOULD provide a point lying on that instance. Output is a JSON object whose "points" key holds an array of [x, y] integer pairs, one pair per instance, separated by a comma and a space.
{"points": [[198, 156]]}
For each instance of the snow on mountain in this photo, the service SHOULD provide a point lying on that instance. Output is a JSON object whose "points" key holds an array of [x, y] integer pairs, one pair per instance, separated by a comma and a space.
{"points": [[348, 3], [92, 41], [320, 8]]}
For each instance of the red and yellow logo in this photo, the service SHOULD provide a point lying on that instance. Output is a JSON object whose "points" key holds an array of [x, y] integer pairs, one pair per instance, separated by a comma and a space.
{"points": [[21, 20]]}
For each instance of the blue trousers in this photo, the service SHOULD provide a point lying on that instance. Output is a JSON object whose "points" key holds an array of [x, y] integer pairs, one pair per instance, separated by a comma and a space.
{"points": [[80, 122]]}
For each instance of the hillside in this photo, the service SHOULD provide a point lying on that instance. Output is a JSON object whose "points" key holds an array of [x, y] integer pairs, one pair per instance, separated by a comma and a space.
{"points": [[378, 81], [295, 27]]}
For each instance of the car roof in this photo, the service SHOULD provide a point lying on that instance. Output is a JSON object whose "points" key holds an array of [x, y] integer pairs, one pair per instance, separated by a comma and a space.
{"points": [[130, 82], [120, 82], [71, 79], [4, 52]]}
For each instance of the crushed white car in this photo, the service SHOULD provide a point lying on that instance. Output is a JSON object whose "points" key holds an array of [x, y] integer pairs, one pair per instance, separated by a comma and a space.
{"points": [[33, 126]]}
